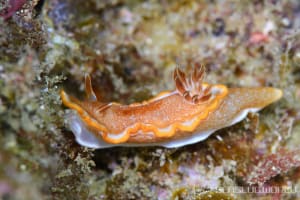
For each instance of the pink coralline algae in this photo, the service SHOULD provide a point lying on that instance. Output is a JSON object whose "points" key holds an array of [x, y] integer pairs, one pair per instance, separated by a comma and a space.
{"points": [[273, 165], [14, 6]]}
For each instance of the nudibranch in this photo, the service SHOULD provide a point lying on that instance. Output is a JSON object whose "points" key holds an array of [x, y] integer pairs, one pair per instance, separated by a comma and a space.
{"points": [[176, 118]]}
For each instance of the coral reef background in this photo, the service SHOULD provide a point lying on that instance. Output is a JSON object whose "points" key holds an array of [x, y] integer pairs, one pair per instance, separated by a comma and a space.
{"points": [[130, 48]]}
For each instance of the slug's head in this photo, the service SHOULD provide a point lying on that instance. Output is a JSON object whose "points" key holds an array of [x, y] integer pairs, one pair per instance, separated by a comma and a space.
{"points": [[193, 89]]}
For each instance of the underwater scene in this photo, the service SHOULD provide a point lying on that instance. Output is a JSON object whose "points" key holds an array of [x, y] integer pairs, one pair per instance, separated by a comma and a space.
{"points": [[157, 99]]}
